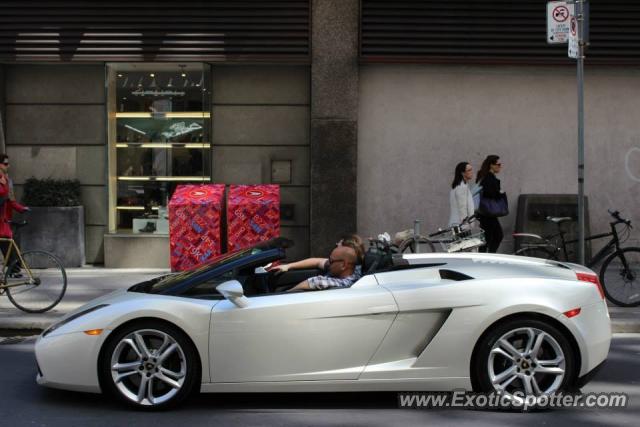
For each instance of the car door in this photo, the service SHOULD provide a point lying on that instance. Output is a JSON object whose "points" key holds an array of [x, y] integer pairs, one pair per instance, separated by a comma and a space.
{"points": [[314, 335]]}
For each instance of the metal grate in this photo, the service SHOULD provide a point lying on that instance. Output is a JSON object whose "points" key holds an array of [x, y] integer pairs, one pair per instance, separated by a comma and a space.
{"points": [[159, 30], [490, 31]]}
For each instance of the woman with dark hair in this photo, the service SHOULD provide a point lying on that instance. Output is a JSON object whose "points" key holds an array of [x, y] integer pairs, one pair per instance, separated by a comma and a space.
{"points": [[460, 198], [490, 190]]}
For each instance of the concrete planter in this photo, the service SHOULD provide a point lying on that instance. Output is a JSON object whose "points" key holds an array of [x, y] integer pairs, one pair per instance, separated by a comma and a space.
{"points": [[59, 230]]}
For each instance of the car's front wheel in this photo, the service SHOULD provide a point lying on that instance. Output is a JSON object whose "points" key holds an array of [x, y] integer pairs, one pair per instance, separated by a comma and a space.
{"points": [[524, 357], [150, 365]]}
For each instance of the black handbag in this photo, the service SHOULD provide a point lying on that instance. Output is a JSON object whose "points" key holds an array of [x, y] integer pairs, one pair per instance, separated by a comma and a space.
{"points": [[494, 208]]}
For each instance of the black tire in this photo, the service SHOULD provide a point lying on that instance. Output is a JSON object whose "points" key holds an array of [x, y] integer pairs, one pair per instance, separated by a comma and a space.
{"points": [[41, 291], [620, 285], [118, 351], [546, 382], [542, 253], [409, 246]]}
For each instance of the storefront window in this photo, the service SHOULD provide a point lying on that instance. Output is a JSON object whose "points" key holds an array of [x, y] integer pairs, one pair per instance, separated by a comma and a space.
{"points": [[159, 137]]}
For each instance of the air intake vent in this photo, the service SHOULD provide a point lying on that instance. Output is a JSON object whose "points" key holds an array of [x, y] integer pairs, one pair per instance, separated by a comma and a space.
{"points": [[453, 275], [145, 30], [490, 31]]}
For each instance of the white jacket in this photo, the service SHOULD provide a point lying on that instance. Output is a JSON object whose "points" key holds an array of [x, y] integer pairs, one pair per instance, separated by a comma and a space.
{"points": [[461, 203]]}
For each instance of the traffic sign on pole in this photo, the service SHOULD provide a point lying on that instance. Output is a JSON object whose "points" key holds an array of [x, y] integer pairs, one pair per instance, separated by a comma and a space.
{"points": [[558, 20], [574, 39]]}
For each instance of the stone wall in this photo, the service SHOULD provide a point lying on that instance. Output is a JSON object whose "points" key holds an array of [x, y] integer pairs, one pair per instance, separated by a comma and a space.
{"points": [[417, 121], [260, 114], [334, 121], [55, 127]]}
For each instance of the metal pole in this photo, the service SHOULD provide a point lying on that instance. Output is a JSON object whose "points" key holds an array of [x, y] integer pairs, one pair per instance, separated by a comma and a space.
{"points": [[416, 234], [580, 63]]}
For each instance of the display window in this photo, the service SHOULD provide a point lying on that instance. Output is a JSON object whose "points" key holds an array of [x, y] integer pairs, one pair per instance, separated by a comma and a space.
{"points": [[159, 137]]}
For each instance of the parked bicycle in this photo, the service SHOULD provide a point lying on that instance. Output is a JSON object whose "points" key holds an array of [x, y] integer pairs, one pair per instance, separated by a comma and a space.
{"points": [[459, 238], [619, 271], [412, 241], [41, 281]]}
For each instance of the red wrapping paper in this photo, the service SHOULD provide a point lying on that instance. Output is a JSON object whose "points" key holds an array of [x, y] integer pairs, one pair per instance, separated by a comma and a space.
{"points": [[253, 215], [194, 225]]}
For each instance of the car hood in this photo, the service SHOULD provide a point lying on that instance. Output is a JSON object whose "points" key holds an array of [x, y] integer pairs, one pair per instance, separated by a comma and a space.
{"points": [[110, 298]]}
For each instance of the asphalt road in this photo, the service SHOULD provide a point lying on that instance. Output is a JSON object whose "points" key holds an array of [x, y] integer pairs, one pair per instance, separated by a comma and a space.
{"points": [[24, 403]]}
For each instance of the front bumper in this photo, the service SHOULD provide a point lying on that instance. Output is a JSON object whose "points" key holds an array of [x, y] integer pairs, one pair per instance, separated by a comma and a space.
{"points": [[69, 361]]}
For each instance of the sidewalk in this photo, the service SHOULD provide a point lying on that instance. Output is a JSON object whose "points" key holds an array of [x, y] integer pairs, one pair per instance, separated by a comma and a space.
{"points": [[83, 285], [87, 283]]}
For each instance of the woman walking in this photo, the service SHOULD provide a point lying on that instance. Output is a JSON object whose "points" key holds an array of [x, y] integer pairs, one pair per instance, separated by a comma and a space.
{"points": [[460, 198], [490, 190]]}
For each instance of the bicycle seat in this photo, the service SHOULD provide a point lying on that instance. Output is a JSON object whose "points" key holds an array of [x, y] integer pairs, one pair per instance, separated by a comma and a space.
{"points": [[559, 219]]}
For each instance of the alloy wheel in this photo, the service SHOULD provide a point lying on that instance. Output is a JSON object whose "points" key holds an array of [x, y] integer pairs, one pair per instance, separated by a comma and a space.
{"points": [[148, 367], [526, 360]]}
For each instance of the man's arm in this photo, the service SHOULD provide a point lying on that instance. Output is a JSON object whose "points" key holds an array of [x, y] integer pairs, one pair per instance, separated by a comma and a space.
{"points": [[301, 265], [302, 286]]}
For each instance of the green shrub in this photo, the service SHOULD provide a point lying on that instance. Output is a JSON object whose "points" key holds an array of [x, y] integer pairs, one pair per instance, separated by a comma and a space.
{"points": [[52, 192]]}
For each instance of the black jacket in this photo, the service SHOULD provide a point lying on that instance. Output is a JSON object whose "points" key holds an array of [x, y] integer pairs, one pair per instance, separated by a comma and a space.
{"points": [[491, 187]]}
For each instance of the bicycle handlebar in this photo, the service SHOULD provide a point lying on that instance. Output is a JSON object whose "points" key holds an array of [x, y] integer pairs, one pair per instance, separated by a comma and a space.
{"points": [[618, 218], [440, 231]]}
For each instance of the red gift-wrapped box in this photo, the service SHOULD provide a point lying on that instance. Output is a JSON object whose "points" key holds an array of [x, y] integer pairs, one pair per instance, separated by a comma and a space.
{"points": [[253, 215], [194, 225]]}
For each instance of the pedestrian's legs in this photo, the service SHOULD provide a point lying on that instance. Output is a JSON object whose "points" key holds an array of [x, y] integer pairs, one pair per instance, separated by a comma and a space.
{"points": [[492, 234], [4, 246], [497, 236]]}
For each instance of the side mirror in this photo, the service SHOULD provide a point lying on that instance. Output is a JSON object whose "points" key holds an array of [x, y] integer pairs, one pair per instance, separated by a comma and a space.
{"points": [[232, 290]]}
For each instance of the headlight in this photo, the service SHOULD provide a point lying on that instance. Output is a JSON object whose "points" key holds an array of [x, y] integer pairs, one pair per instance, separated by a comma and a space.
{"points": [[70, 318]]}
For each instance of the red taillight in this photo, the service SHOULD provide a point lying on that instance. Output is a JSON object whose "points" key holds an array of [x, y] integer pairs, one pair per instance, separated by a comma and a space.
{"points": [[591, 278], [572, 313]]}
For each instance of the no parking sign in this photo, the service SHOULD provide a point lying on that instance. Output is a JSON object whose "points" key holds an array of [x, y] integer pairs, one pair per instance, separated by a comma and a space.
{"points": [[559, 15]]}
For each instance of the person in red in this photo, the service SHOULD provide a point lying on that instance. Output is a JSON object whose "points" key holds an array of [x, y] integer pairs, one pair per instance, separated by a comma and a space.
{"points": [[8, 204]]}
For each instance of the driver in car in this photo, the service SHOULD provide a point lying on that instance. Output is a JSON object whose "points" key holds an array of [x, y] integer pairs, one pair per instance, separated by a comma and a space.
{"points": [[341, 272]]}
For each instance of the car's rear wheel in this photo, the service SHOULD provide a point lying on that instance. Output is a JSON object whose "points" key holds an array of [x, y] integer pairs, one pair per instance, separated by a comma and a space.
{"points": [[149, 365], [524, 357]]}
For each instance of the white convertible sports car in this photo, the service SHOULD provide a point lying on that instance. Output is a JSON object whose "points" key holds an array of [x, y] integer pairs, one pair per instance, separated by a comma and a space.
{"points": [[419, 322]]}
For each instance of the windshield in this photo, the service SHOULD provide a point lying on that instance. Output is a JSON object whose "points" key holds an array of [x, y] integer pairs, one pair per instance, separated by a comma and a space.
{"points": [[166, 282]]}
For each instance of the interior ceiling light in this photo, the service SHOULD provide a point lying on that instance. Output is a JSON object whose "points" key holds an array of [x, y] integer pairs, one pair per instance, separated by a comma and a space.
{"points": [[170, 84], [151, 75], [119, 75], [140, 82]]}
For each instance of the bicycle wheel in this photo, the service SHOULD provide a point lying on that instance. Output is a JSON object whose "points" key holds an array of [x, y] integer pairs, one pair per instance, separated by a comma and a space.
{"points": [[44, 289], [619, 277], [533, 252], [409, 245]]}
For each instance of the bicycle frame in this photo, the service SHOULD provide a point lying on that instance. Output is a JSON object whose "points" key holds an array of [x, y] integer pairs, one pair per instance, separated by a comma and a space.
{"points": [[611, 246], [7, 257]]}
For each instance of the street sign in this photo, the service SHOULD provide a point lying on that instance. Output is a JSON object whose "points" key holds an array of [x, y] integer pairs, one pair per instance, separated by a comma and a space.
{"points": [[574, 49], [558, 20]]}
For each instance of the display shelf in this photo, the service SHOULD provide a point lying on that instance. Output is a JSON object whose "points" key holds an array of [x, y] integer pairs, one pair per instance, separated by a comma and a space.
{"points": [[162, 115]]}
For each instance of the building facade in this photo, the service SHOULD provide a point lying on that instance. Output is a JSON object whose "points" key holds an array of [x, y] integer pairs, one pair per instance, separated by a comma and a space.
{"points": [[358, 109]]}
